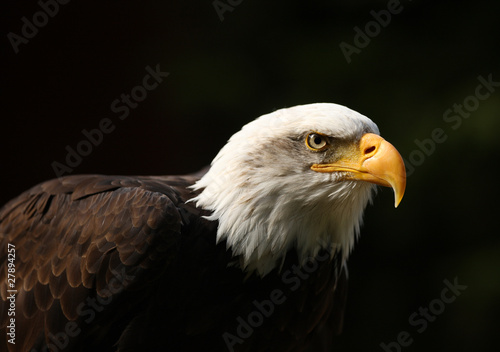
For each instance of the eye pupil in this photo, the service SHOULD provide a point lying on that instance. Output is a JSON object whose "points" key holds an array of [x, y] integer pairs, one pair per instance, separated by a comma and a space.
{"points": [[318, 140]]}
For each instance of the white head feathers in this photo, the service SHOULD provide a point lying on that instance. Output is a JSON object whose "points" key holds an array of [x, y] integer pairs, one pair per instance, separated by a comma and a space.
{"points": [[267, 199]]}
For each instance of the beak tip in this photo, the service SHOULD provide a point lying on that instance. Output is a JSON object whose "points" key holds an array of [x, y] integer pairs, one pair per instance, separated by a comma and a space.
{"points": [[398, 197]]}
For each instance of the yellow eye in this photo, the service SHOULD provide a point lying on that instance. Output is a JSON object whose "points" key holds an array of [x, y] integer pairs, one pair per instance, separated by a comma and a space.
{"points": [[316, 141]]}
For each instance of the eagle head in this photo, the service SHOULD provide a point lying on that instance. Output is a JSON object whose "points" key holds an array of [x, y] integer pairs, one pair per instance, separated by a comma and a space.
{"points": [[298, 178]]}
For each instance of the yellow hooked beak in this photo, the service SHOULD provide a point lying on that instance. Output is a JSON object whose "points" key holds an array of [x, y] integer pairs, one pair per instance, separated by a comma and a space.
{"points": [[376, 161]]}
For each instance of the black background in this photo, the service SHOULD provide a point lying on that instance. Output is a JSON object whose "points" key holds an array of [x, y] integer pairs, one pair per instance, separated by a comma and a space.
{"points": [[268, 55]]}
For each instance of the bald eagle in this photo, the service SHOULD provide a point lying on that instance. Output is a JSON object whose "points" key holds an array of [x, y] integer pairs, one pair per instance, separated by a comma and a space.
{"points": [[247, 256]]}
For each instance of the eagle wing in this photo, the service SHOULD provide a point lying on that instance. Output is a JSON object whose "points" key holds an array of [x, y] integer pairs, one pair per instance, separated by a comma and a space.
{"points": [[79, 242]]}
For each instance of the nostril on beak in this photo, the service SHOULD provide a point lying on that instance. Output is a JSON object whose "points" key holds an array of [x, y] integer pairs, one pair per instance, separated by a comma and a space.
{"points": [[370, 150]]}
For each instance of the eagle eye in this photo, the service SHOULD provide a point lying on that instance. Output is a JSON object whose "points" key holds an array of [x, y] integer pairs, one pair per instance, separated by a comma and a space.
{"points": [[316, 141]]}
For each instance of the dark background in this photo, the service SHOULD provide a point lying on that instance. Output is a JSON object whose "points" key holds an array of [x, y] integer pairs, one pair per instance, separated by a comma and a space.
{"points": [[267, 55]]}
